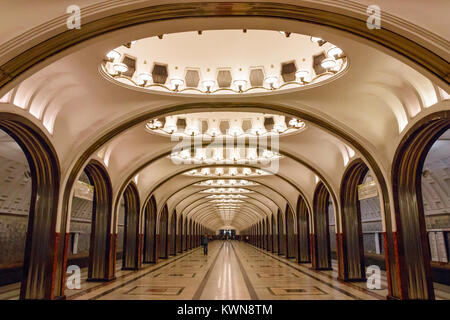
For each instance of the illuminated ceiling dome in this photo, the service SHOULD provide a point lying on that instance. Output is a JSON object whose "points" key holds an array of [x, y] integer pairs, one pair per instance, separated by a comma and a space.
{"points": [[225, 124], [226, 183], [234, 172], [224, 62]]}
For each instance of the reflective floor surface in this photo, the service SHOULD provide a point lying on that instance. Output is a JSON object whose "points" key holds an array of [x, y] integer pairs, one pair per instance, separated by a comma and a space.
{"points": [[232, 270]]}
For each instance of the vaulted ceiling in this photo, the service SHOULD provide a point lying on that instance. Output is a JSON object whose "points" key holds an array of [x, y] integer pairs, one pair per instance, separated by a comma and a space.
{"points": [[361, 112]]}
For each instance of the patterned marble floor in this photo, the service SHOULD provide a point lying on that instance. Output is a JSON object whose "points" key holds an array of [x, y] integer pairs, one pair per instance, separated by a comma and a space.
{"points": [[277, 278], [232, 270], [441, 291]]}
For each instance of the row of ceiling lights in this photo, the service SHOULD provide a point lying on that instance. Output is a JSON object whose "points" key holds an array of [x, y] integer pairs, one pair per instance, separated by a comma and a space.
{"points": [[226, 196], [227, 172], [225, 183], [226, 201], [226, 190], [302, 76], [232, 155], [194, 129]]}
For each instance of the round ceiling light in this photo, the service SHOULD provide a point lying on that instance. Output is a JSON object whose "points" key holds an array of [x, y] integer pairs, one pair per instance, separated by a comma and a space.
{"points": [[289, 64]]}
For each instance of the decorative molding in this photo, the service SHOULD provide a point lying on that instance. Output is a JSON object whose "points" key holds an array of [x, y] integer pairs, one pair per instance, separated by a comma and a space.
{"points": [[412, 249]]}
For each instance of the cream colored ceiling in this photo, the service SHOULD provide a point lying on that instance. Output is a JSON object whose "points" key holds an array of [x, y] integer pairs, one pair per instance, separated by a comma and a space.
{"points": [[213, 51], [375, 101], [429, 15]]}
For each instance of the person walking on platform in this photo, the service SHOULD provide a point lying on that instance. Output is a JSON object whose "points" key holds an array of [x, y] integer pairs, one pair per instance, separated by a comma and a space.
{"points": [[205, 244]]}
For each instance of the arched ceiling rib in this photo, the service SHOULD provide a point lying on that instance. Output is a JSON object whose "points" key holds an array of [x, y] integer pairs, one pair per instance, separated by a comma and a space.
{"points": [[266, 204], [255, 208], [321, 107], [193, 200], [181, 192], [138, 149], [190, 200], [243, 220], [297, 179]]}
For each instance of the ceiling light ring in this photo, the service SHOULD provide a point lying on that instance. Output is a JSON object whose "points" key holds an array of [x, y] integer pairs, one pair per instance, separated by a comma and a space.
{"points": [[209, 135], [231, 172], [266, 158], [299, 83], [119, 75], [240, 90]]}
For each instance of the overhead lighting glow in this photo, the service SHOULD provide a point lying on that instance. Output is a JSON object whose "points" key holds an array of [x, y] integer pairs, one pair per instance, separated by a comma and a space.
{"points": [[113, 55], [271, 81], [230, 156], [226, 196], [144, 78], [334, 52], [318, 41], [237, 80], [226, 183], [120, 67], [226, 201], [208, 85], [302, 75], [227, 172], [206, 125], [328, 63], [240, 85], [176, 83], [226, 190]]}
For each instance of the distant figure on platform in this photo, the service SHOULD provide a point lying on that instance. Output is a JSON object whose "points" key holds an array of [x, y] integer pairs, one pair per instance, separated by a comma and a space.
{"points": [[205, 244]]}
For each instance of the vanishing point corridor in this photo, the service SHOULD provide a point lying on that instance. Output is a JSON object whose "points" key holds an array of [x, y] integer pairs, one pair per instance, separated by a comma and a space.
{"points": [[233, 270]]}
